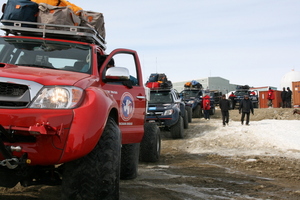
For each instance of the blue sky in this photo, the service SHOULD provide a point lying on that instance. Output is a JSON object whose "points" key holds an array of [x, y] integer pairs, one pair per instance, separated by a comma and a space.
{"points": [[254, 42]]}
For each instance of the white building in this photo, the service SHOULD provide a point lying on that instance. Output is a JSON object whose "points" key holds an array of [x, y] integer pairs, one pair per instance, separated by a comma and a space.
{"points": [[211, 83], [288, 78]]}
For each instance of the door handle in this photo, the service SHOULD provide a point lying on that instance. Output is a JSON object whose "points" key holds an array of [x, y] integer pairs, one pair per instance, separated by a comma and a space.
{"points": [[140, 97]]}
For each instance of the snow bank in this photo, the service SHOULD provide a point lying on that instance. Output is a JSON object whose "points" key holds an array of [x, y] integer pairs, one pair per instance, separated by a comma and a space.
{"points": [[266, 137]]}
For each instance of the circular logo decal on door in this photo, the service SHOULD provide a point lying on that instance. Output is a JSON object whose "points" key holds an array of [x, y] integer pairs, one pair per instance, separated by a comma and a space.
{"points": [[127, 106]]}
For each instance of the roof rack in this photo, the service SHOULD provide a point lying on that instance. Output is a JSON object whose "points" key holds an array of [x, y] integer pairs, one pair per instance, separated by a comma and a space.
{"points": [[78, 33]]}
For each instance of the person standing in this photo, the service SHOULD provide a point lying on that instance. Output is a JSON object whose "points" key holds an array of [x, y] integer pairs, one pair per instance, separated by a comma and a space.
{"points": [[289, 98], [271, 97], [206, 106], [245, 108], [232, 98], [283, 97], [224, 106]]}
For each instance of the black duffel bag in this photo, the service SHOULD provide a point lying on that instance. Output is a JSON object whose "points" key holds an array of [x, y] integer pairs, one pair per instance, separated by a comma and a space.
{"points": [[20, 10]]}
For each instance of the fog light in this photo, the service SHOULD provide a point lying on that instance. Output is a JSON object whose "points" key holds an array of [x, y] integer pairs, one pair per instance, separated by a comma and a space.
{"points": [[16, 148]]}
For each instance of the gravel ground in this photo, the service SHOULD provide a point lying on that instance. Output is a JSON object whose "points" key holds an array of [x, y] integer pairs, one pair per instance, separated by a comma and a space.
{"points": [[183, 176]]}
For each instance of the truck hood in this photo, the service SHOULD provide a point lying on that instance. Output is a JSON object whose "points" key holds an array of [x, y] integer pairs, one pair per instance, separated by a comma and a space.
{"points": [[43, 76]]}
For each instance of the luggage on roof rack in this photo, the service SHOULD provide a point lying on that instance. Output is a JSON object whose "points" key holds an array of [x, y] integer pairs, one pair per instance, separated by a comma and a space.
{"points": [[193, 84], [76, 9], [20, 10], [159, 80], [62, 15], [242, 87], [153, 85], [78, 33], [94, 20]]}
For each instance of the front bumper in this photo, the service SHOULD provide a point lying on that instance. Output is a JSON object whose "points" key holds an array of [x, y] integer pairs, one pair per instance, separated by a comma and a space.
{"points": [[163, 120], [54, 136], [35, 134]]}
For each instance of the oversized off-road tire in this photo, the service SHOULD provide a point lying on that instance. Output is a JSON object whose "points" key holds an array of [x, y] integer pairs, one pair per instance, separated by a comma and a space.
{"points": [[197, 113], [185, 120], [9, 178], [212, 111], [129, 161], [96, 175], [190, 113], [151, 144], [177, 131]]}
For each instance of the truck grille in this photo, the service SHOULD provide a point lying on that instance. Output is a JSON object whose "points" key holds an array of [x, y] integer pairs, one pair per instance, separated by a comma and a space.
{"points": [[14, 95], [12, 90], [155, 113]]}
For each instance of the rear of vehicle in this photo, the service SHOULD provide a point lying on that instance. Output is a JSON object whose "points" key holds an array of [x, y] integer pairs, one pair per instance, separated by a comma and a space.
{"points": [[192, 99]]}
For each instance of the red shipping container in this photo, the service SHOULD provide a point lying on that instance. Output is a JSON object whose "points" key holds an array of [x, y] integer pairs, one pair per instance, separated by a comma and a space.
{"points": [[263, 99], [296, 93]]}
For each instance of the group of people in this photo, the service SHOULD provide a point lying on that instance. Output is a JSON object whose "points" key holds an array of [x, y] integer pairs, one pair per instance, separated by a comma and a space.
{"points": [[286, 98], [245, 108]]}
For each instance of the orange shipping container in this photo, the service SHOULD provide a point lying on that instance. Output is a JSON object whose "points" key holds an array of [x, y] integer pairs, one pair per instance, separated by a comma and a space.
{"points": [[263, 99], [296, 93]]}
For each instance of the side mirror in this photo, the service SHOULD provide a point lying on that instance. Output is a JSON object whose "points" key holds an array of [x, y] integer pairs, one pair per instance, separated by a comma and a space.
{"points": [[117, 74]]}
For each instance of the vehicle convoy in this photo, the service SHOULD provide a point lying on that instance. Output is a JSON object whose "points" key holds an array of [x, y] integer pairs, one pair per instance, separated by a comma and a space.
{"points": [[166, 109], [65, 119], [192, 96], [241, 91]]}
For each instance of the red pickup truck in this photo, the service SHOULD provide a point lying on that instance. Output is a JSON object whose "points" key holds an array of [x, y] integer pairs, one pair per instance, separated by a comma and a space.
{"points": [[65, 118]]}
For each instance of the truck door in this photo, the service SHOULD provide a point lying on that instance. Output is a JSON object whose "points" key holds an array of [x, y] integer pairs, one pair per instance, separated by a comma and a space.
{"points": [[131, 98]]}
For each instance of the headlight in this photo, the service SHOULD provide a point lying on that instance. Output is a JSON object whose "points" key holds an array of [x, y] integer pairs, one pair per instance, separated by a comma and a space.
{"points": [[168, 112], [191, 102], [60, 97]]}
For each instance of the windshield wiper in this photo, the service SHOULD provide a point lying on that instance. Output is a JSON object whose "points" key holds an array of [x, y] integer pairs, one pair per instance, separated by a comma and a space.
{"points": [[40, 66]]}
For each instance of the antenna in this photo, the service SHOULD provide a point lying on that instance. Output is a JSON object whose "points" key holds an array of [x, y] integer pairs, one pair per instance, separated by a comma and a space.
{"points": [[156, 65]]}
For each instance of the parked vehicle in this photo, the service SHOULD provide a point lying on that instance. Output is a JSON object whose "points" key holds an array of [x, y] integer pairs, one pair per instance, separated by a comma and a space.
{"points": [[217, 96], [166, 109], [192, 96], [241, 91], [65, 118]]}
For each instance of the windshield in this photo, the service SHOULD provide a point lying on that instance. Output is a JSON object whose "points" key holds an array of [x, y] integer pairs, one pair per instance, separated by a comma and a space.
{"points": [[241, 93], [187, 94], [45, 54], [161, 97]]}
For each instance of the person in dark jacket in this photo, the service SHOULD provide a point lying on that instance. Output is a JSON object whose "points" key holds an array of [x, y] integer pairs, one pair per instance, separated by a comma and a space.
{"points": [[289, 98], [283, 97], [245, 108], [225, 107]]}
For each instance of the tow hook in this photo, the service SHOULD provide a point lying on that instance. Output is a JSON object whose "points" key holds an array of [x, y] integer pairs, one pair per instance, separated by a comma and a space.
{"points": [[11, 163]]}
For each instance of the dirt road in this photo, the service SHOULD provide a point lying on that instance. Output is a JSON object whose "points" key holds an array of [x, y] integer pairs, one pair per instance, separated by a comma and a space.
{"points": [[183, 176]]}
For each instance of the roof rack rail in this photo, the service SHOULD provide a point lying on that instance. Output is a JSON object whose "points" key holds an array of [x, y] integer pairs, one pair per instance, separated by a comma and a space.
{"points": [[78, 33]]}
